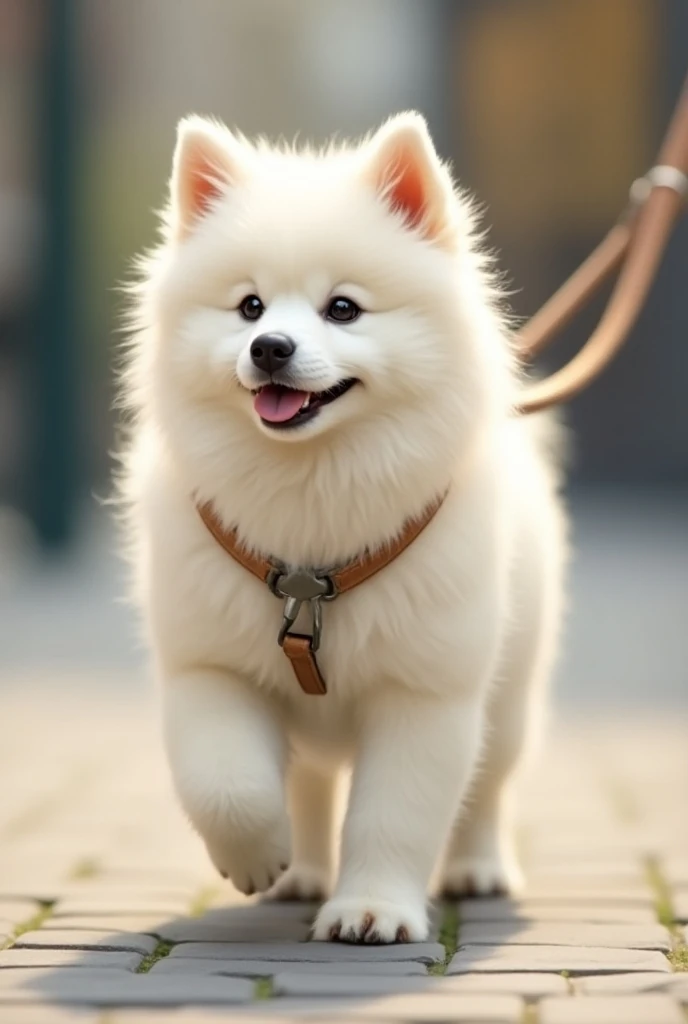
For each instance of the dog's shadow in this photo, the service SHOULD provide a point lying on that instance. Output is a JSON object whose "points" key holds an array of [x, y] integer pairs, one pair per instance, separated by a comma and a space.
{"points": [[241, 956]]}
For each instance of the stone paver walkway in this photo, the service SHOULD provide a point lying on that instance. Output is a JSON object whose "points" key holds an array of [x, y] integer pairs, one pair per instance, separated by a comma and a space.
{"points": [[110, 913]]}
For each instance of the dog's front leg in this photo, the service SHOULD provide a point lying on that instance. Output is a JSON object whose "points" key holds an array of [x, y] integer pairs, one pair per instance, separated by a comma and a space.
{"points": [[227, 750], [415, 761]]}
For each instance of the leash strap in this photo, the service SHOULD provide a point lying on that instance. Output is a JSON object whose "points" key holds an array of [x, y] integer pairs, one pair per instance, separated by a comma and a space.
{"points": [[635, 245], [296, 587]]}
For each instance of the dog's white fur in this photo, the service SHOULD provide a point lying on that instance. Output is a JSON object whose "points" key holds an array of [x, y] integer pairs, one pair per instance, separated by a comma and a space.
{"points": [[436, 666]]}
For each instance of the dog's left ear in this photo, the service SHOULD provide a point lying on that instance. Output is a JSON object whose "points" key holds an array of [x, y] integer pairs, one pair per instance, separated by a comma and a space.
{"points": [[405, 170]]}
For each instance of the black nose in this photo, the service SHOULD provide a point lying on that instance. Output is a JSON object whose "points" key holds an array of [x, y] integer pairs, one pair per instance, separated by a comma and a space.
{"points": [[270, 352]]}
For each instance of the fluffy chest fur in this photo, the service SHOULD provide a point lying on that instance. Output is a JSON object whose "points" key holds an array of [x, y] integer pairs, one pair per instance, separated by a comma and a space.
{"points": [[442, 602]]}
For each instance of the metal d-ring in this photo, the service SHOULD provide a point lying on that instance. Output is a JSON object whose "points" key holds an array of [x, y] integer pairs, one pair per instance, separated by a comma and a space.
{"points": [[296, 588], [292, 606]]}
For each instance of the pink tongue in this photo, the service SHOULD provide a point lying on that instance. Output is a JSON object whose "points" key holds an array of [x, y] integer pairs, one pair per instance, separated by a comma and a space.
{"points": [[277, 404]]}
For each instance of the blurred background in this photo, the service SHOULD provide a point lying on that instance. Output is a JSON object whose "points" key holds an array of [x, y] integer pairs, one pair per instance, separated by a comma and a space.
{"points": [[548, 109]]}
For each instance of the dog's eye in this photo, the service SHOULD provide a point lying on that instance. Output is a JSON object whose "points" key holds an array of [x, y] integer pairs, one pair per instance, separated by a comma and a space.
{"points": [[342, 310], [251, 308]]}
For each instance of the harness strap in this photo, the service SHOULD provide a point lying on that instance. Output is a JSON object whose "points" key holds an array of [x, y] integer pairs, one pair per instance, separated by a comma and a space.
{"points": [[298, 586]]}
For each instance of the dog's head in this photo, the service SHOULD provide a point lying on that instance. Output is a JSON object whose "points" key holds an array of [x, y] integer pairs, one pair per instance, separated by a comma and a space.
{"points": [[317, 294]]}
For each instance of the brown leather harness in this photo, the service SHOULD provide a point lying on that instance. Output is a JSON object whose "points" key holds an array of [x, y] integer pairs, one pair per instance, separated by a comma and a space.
{"points": [[312, 586], [635, 245]]}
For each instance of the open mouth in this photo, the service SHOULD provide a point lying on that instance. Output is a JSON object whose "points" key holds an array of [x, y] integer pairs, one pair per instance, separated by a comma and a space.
{"points": [[281, 407]]}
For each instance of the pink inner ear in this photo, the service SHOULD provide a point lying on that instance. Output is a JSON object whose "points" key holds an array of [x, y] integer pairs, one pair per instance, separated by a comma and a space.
{"points": [[408, 193], [204, 186]]}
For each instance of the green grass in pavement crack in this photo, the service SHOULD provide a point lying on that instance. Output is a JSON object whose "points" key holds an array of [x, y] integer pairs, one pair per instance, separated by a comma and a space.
{"points": [[30, 924], [661, 892], [86, 868], [678, 957], [569, 984], [198, 906], [203, 900], [449, 937], [263, 988], [162, 950]]}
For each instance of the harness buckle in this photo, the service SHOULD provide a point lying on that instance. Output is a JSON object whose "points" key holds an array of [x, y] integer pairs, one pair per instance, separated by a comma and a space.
{"points": [[297, 588]]}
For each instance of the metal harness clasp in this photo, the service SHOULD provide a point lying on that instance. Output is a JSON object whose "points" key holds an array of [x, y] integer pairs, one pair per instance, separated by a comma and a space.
{"points": [[296, 588]]}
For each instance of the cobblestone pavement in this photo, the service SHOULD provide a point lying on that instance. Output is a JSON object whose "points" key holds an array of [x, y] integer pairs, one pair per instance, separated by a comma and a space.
{"points": [[109, 912]]}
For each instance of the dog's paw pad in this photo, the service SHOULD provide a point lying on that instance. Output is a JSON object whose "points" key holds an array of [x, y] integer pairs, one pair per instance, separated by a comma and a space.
{"points": [[477, 876], [252, 862], [370, 921], [301, 882]]}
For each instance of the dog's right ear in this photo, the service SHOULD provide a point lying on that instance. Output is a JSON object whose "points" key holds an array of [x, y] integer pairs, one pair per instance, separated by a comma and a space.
{"points": [[207, 161]]}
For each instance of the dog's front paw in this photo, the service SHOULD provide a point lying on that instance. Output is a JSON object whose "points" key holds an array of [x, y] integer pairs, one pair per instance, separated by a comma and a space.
{"points": [[252, 861], [358, 919], [481, 876], [302, 882]]}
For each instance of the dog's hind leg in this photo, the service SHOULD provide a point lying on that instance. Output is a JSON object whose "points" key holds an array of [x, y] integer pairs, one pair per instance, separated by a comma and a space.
{"points": [[311, 793], [481, 856]]}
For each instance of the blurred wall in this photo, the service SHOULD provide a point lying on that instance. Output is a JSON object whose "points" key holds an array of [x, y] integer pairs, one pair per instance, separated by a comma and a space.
{"points": [[558, 107], [549, 109], [308, 67]]}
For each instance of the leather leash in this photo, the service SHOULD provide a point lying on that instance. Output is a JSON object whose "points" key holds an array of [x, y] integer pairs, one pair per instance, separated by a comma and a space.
{"points": [[635, 245], [299, 586]]}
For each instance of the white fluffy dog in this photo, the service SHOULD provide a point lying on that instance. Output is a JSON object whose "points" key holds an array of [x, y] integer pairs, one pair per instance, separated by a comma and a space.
{"points": [[319, 356]]}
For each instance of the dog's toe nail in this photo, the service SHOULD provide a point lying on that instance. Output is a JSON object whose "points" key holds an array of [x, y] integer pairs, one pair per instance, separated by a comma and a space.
{"points": [[336, 930], [367, 924], [402, 934]]}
